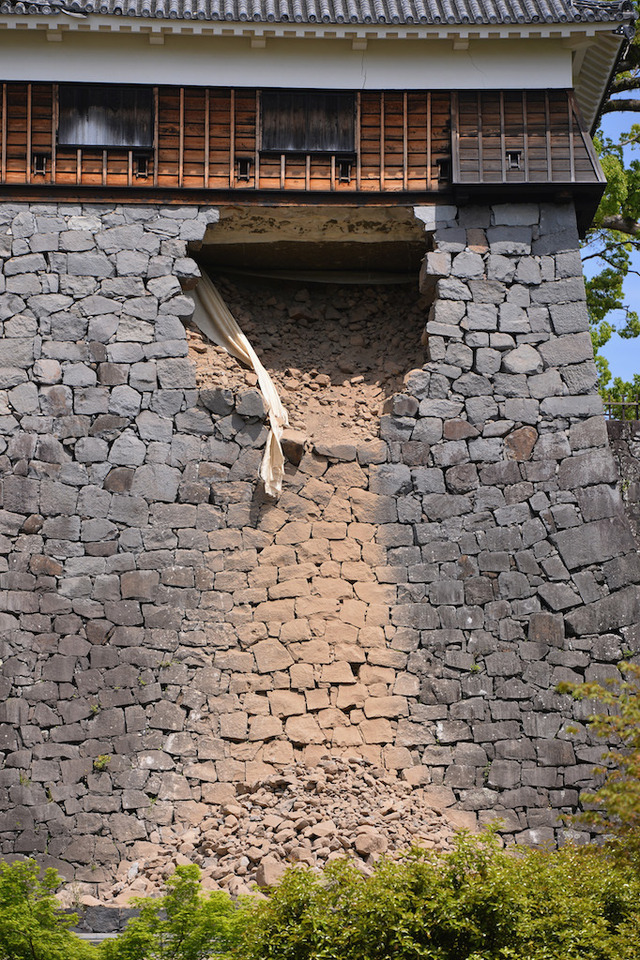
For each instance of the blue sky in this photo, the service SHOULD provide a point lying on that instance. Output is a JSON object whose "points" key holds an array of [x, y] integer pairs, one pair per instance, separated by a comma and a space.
{"points": [[624, 355]]}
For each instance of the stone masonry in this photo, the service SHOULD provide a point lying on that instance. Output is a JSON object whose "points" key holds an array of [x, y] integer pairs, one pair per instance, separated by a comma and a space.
{"points": [[168, 633]]}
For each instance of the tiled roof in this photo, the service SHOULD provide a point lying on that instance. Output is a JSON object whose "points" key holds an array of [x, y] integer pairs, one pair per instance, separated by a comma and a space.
{"points": [[434, 12]]}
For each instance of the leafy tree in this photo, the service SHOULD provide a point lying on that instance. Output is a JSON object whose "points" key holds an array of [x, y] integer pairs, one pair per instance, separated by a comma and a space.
{"points": [[615, 807], [184, 924], [613, 241], [32, 925]]}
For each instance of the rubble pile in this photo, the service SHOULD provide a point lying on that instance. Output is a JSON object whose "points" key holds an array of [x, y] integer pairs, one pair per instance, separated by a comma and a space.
{"points": [[334, 353]]}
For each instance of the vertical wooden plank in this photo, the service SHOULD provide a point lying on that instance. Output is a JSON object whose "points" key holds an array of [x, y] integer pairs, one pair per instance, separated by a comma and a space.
{"points": [[232, 138], [586, 139], [572, 157], [130, 168], [105, 168], [358, 141], [525, 133], [429, 183], [307, 172], [455, 138], [382, 143], [405, 144], [547, 126], [54, 129], [480, 139], [332, 182], [503, 144], [29, 111], [283, 171], [256, 178], [181, 140], [78, 166], [156, 115], [3, 147], [205, 173]]}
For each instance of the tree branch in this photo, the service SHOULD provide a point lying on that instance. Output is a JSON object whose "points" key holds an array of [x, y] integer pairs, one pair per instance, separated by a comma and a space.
{"points": [[625, 83], [622, 106], [622, 224]]}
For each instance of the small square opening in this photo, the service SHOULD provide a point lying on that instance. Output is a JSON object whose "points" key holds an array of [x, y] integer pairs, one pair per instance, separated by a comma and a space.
{"points": [[514, 159], [444, 169], [142, 166], [243, 168], [39, 164], [344, 170]]}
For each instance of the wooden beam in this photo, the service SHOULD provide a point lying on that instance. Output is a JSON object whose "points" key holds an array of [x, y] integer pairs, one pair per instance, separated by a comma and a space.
{"points": [[232, 138], [586, 139], [307, 172], [28, 144], [105, 168], [480, 140], [283, 170], [547, 122], [503, 142], [129, 168], [405, 144], [358, 140], [78, 165], [207, 121], [429, 183], [382, 143], [3, 146], [332, 181], [54, 129], [525, 132], [572, 157], [181, 140], [156, 133], [256, 177], [455, 138]]}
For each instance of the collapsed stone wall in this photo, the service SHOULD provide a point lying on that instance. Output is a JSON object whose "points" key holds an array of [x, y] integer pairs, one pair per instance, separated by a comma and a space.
{"points": [[169, 633]]}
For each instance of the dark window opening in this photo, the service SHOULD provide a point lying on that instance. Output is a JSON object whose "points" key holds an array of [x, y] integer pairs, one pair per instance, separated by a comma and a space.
{"points": [[444, 169], [514, 158], [243, 168], [92, 115], [142, 167], [344, 170], [308, 122], [39, 164]]}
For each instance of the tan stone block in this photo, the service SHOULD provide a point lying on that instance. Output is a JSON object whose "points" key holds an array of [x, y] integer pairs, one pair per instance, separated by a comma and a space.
{"points": [[314, 651], [293, 532], [248, 633], [255, 705], [312, 754], [372, 507], [294, 630], [377, 690], [290, 588], [463, 820], [374, 555], [317, 699], [231, 770], [417, 776], [346, 737], [331, 717], [315, 551], [386, 707], [346, 475], [304, 730], [264, 728], [257, 770], [338, 672], [353, 612], [410, 734], [380, 593], [215, 793], [384, 657], [297, 571], [376, 731], [331, 588], [278, 752], [353, 695], [357, 572], [345, 551], [245, 751], [406, 685], [362, 532], [286, 703], [439, 798], [373, 674], [278, 556], [302, 676], [318, 491], [330, 569], [336, 632], [263, 576], [377, 615], [271, 655], [326, 530], [371, 753], [272, 519], [233, 661], [233, 726], [316, 606], [201, 771], [279, 611], [350, 652], [396, 758]]}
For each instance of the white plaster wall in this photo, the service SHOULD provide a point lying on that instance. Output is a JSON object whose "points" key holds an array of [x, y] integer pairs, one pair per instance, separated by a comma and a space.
{"points": [[327, 64]]}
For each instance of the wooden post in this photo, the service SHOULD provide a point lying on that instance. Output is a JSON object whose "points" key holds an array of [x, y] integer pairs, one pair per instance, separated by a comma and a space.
{"points": [[181, 140], [382, 144], [572, 159], [78, 165], [358, 141], [207, 107], [129, 168], [503, 143], [429, 183], [54, 129], [307, 172], [156, 133], [455, 137], [28, 145], [480, 142], [283, 170], [547, 122], [105, 168], [232, 137], [256, 178], [525, 133], [3, 147], [332, 182]]}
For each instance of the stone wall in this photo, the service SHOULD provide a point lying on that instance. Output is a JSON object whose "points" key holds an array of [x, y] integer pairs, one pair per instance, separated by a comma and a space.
{"points": [[624, 437], [169, 633]]}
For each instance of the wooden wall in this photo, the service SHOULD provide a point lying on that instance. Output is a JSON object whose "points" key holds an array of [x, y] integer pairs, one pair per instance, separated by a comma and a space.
{"points": [[415, 141]]}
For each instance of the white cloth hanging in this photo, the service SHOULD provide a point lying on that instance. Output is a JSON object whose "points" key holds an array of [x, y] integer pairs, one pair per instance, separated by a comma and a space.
{"points": [[214, 319]]}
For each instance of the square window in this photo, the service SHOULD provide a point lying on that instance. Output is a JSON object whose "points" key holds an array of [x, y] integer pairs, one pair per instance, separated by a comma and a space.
{"points": [[93, 115], [313, 122]]}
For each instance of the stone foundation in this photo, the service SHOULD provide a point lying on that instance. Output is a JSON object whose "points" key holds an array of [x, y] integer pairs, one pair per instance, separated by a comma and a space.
{"points": [[414, 600]]}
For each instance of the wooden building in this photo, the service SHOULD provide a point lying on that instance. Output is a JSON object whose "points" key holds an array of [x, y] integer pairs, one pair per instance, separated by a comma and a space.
{"points": [[401, 101]]}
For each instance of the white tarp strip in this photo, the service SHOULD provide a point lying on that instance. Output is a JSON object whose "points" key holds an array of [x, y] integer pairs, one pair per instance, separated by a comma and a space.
{"points": [[213, 318]]}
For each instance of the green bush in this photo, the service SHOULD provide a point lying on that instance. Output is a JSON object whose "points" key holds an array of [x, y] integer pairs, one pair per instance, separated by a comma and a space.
{"points": [[476, 903], [32, 925], [184, 924]]}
